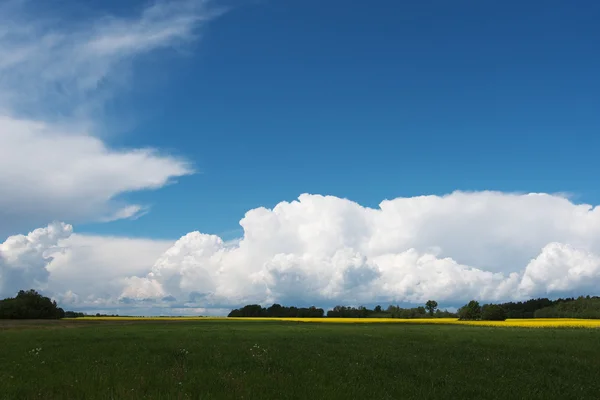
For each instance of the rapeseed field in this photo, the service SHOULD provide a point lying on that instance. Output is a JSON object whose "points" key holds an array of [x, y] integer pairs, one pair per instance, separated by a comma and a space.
{"points": [[517, 323]]}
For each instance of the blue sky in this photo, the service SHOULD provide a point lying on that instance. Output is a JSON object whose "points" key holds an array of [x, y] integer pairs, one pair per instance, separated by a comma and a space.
{"points": [[447, 151], [366, 102]]}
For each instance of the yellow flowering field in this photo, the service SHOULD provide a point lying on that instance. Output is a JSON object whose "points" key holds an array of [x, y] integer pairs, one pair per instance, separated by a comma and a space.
{"points": [[521, 323]]}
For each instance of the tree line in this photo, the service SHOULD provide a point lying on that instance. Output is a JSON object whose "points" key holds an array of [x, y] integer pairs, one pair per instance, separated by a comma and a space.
{"points": [[528, 309], [582, 307], [277, 311], [488, 312], [430, 310], [30, 305]]}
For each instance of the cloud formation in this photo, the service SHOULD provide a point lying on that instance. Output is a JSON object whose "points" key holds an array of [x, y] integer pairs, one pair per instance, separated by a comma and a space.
{"points": [[72, 177], [91, 271], [325, 250], [561, 268], [53, 74], [50, 63], [24, 258]]}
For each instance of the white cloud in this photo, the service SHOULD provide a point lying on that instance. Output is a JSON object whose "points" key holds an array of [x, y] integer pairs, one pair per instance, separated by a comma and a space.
{"points": [[134, 211], [50, 57], [79, 271], [71, 177], [561, 268], [94, 269], [24, 258], [53, 74], [325, 250]]}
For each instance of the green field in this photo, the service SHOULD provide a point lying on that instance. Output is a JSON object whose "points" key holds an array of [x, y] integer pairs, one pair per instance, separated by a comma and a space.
{"points": [[283, 360]]}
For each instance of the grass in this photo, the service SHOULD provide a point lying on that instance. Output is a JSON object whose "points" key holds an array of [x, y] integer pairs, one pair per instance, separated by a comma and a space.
{"points": [[213, 359]]}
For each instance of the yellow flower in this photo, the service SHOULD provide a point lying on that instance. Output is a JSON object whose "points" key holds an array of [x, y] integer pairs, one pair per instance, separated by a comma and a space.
{"points": [[519, 323]]}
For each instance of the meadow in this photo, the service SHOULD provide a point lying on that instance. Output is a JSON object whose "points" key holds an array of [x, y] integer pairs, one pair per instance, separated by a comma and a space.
{"points": [[238, 359]]}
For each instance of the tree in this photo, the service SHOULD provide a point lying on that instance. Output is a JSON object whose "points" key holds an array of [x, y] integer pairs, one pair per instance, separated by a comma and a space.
{"points": [[493, 312], [30, 305], [431, 306], [471, 311], [277, 311], [362, 312], [73, 314], [377, 309], [581, 307]]}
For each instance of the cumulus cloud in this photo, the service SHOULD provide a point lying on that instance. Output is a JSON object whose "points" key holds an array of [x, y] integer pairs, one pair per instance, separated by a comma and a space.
{"points": [[92, 270], [561, 268], [53, 73], [327, 250], [324, 250], [24, 258], [78, 270]]}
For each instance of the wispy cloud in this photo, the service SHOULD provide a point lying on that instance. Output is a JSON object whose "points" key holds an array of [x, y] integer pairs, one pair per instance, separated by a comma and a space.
{"points": [[53, 59], [53, 73]]}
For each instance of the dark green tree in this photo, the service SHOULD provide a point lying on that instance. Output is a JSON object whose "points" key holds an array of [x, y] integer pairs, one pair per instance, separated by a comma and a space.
{"points": [[30, 305], [431, 306], [470, 311], [582, 307], [277, 311], [493, 312]]}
